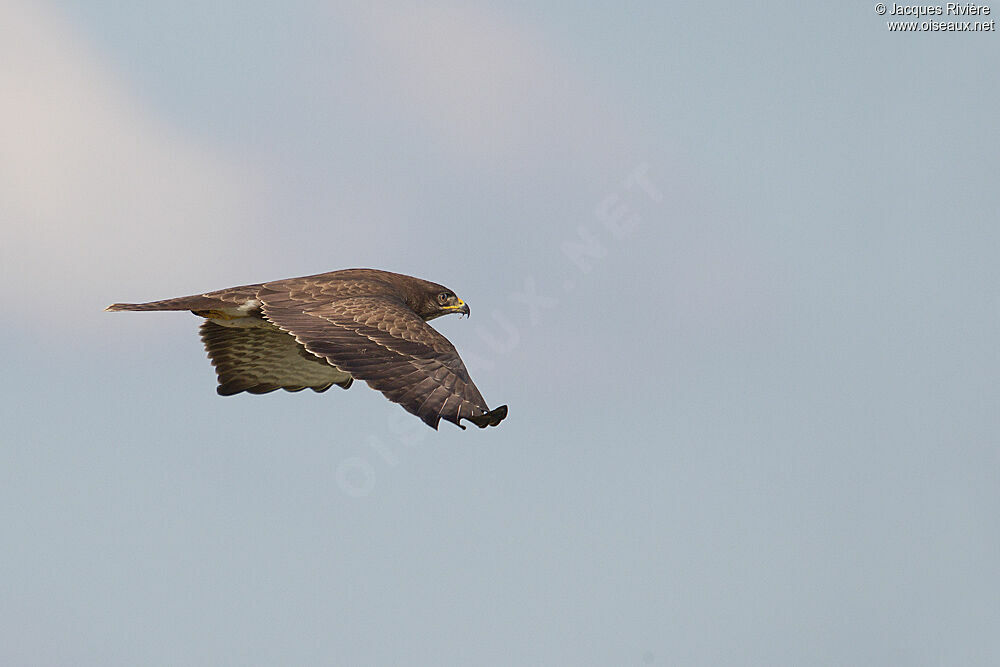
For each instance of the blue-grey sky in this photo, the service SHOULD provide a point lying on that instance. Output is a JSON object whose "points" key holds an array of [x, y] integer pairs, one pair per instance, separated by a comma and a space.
{"points": [[734, 269]]}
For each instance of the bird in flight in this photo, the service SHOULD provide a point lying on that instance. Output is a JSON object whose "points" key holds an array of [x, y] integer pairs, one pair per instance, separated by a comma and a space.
{"points": [[330, 328]]}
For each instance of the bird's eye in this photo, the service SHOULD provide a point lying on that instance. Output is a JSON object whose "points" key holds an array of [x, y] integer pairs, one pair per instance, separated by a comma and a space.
{"points": [[444, 296]]}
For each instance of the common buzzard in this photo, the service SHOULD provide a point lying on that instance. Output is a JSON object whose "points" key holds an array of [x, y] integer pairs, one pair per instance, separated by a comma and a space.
{"points": [[328, 329]]}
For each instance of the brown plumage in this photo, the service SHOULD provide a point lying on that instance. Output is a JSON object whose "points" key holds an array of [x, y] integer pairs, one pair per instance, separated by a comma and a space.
{"points": [[317, 331]]}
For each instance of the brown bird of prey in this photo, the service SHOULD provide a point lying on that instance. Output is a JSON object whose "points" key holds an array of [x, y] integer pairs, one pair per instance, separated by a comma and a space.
{"points": [[328, 329]]}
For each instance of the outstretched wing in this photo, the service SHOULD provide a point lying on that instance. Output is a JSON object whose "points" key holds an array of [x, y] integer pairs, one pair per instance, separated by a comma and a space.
{"points": [[264, 358], [378, 339]]}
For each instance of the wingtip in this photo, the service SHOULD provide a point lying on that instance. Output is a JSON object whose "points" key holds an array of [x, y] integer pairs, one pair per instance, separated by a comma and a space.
{"points": [[491, 418]]}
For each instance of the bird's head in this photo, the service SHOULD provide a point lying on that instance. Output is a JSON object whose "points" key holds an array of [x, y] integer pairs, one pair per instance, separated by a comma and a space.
{"points": [[437, 300]]}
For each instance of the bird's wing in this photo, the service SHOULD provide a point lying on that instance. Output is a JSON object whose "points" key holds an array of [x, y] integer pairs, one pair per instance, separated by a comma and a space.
{"points": [[259, 359], [378, 339]]}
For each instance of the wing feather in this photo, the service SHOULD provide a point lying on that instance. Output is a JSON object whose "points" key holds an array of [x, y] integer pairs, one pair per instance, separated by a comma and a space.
{"points": [[375, 337], [262, 359]]}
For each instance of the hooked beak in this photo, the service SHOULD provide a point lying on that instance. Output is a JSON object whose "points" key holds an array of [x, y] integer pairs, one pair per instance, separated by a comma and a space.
{"points": [[459, 307]]}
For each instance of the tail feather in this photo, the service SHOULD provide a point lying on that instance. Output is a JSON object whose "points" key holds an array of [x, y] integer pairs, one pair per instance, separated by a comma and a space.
{"points": [[196, 302]]}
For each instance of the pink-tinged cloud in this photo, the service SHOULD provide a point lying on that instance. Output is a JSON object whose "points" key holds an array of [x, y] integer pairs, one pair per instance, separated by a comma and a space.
{"points": [[96, 193], [490, 87]]}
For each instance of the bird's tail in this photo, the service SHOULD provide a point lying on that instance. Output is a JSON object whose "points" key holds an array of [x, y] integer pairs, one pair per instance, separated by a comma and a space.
{"points": [[196, 302]]}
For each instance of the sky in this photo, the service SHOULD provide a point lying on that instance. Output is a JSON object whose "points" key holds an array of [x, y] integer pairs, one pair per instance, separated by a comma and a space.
{"points": [[733, 268]]}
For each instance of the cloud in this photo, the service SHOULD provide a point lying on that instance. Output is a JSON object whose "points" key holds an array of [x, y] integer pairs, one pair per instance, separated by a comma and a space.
{"points": [[487, 85], [96, 193]]}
